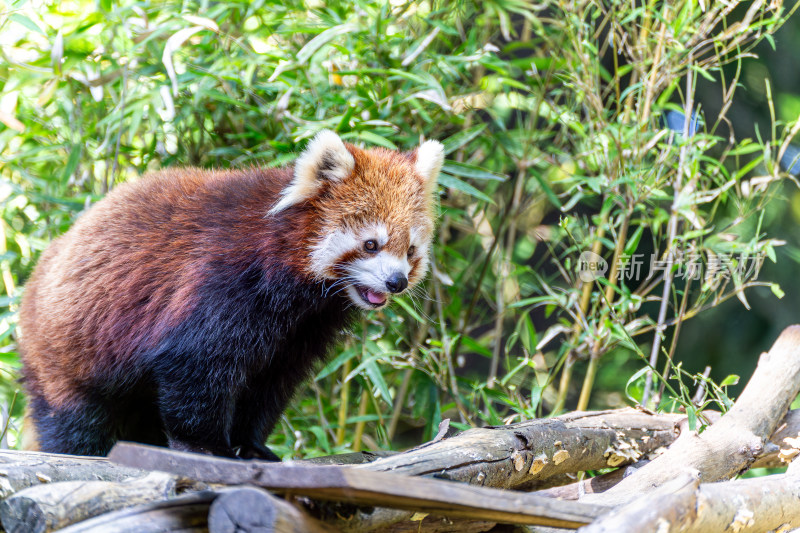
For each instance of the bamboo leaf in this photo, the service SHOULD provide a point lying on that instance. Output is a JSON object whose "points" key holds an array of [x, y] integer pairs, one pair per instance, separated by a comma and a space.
{"points": [[321, 40], [464, 170], [173, 43], [25, 21], [72, 163], [445, 180], [462, 138]]}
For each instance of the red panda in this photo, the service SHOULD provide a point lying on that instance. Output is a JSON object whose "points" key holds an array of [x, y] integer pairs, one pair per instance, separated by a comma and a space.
{"points": [[185, 308]]}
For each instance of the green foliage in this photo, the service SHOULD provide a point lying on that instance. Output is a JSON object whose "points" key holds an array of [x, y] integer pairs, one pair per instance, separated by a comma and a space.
{"points": [[555, 119]]}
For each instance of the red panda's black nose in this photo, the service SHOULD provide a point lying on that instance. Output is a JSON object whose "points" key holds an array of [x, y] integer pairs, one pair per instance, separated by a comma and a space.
{"points": [[397, 282]]}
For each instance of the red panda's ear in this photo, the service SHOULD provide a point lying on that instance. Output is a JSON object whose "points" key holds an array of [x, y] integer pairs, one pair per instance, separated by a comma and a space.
{"points": [[325, 159], [430, 157]]}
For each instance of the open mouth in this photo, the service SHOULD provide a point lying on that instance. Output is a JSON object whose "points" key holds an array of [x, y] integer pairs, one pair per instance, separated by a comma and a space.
{"points": [[372, 298]]}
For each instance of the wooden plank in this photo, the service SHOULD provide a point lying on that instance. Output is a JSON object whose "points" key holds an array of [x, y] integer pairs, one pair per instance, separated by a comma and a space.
{"points": [[337, 483]]}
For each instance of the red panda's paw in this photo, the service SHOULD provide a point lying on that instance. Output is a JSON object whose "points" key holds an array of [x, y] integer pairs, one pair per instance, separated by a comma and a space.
{"points": [[257, 451], [205, 449]]}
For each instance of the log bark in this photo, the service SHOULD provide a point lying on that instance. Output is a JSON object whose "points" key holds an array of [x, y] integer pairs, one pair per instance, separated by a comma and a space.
{"points": [[750, 505], [648, 513], [228, 510], [732, 444], [789, 428], [523, 456], [528, 453], [594, 485], [361, 487], [53, 506], [185, 514], [19, 470]]}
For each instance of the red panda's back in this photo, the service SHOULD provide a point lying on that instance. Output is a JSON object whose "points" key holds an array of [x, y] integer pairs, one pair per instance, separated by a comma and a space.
{"points": [[123, 274]]}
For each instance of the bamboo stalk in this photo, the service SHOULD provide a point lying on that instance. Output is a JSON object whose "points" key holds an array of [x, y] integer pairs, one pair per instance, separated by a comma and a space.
{"points": [[586, 295], [344, 398], [400, 398], [398, 404], [591, 371], [674, 343], [588, 382], [672, 229], [362, 412], [505, 262]]}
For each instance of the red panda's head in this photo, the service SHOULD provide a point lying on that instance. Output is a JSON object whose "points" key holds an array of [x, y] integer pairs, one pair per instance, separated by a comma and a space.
{"points": [[372, 215]]}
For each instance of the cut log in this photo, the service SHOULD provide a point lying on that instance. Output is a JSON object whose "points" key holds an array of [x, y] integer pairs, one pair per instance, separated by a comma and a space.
{"points": [[22, 469], [185, 514], [732, 444], [522, 454], [252, 510], [56, 505], [362, 487]]}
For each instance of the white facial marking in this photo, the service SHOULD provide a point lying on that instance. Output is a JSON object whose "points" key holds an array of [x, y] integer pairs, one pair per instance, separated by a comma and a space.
{"points": [[371, 273], [356, 298], [325, 253], [378, 232], [420, 238]]}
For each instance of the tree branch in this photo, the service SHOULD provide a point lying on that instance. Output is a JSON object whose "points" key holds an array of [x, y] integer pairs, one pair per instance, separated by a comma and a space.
{"points": [[732, 444], [747, 505]]}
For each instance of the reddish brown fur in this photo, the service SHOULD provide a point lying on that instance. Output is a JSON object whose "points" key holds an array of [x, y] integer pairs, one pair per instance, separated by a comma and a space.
{"points": [[130, 269], [84, 329]]}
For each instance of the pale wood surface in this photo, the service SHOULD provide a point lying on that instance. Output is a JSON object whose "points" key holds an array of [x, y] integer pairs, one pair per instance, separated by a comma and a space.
{"points": [[751, 505], [52, 506], [732, 444]]}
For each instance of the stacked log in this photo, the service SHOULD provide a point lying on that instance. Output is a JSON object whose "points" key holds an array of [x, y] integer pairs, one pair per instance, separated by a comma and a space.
{"points": [[667, 477]]}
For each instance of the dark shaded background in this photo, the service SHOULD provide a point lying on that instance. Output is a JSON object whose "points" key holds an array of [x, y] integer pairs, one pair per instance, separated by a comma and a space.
{"points": [[729, 338]]}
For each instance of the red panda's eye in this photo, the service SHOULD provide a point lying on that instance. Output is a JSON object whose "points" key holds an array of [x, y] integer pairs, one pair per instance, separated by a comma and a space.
{"points": [[371, 245], [411, 250]]}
